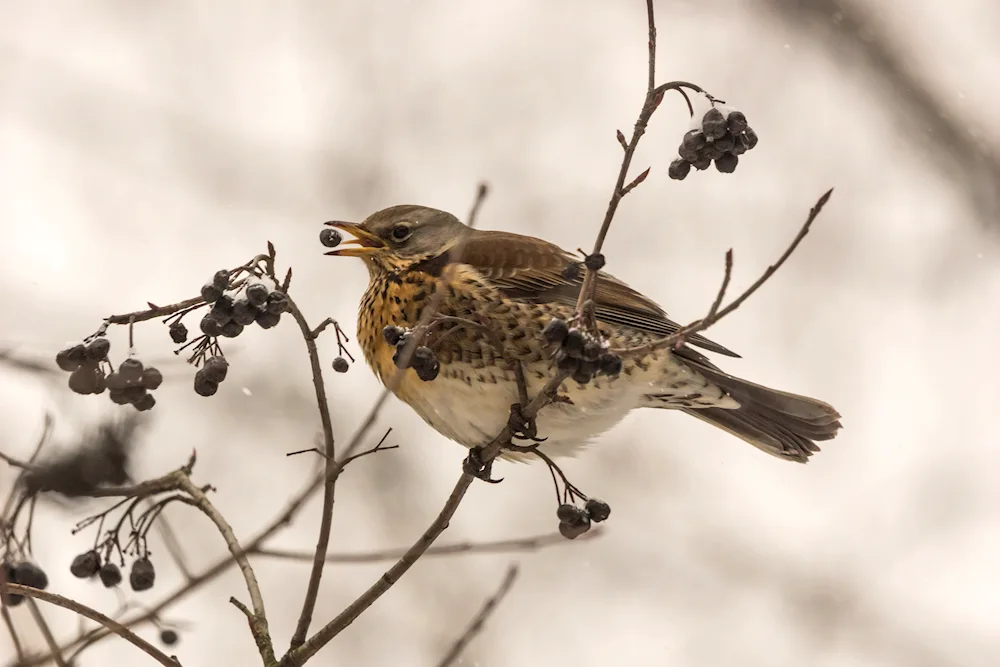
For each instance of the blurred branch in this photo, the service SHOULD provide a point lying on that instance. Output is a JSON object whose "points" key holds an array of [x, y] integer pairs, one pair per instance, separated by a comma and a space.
{"points": [[480, 620], [973, 165]]}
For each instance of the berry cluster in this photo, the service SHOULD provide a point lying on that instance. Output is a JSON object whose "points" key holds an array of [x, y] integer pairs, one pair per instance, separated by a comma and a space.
{"points": [[580, 354], [228, 316], [722, 138], [210, 375], [575, 521], [26, 574], [129, 385], [422, 360], [88, 565]]}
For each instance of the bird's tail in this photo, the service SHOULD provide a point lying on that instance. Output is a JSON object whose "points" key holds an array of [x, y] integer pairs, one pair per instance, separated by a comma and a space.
{"points": [[782, 424]]}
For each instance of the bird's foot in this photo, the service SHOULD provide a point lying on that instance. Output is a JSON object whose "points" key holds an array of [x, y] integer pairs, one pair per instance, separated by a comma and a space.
{"points": [[475, 466], [521, 427]]}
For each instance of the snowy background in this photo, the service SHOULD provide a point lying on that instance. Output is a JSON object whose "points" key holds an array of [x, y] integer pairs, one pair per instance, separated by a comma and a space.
{"points": [[145, 145]]}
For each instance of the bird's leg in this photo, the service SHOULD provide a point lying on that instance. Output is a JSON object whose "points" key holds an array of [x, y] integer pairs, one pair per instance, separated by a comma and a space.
{"points": [[521, 427], [474, 465]]}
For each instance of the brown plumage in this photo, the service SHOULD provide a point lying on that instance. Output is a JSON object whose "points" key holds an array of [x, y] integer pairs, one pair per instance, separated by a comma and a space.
{"points": [[513, 285]]}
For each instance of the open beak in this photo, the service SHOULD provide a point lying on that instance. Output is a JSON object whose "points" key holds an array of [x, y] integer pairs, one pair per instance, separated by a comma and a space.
{"points": [[364, 243]]}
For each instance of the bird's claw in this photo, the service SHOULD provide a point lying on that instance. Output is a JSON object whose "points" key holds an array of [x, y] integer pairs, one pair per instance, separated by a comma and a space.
{"points": [[474, 465], [521, 427]]}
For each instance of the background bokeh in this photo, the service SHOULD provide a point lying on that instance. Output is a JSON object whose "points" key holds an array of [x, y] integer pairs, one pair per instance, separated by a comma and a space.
{"points": [[145, 145]]}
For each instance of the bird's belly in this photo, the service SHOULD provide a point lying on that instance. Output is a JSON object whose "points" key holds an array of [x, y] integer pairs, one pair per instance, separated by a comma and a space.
{"points": [[471, 406]]}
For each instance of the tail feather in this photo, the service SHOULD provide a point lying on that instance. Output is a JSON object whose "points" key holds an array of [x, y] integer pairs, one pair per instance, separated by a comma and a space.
{"points": [[780, 423]]}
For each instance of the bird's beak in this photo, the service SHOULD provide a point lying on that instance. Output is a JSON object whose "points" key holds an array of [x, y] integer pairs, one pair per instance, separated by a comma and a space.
{"points": [[367, 243]]}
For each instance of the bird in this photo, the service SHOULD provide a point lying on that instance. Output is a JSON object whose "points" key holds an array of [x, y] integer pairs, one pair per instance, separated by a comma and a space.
{"points": [[500, 291]]}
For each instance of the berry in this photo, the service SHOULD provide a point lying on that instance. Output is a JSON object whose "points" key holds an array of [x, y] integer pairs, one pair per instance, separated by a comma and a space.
{"points": [[567, 364], [257, 294], [702, 163], [584, 372], [232, 329], [597, 510], [210, 325], [610, 364], [679, 169], [222, 309], [330, 238], [591, 350], [740, 145], [392, 334], [594, 262], [573, 345], [168, 636], [133, 394], [277, 303], [713, 124], [572, 271], [116, 382], [71, 358], [567, 512], [97, 349], [215, 369], [85, 565], [210, 292], [203, 386], [29, 574], [268, 320], [726, 143], [13, 599], [119, 397], [736, 122], [727, 163], [152, 378], [131, 370], [178, 332], [100, 383], [555, 331], [220, 280], [428, 371], [751, 138], [110, 575], [142, 575], [145, 403], [693, 141], [712, 151], [571, 531], [340, 365], [84, 379], [243, 313]]}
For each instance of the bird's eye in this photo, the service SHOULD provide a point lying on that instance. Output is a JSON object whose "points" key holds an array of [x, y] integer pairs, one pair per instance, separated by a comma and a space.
{"points": [[400, 232]]}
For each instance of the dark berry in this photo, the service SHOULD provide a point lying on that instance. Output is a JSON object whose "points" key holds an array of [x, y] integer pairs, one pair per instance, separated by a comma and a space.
{"points": [[268, 320], [232, 329], [119, 397], [597, 510], [277, 303], [142, 575], [116, 382], [210, 325], [222, 309], [243, 313], [751, 138], [110, 575], [679, 169], [13, 599], [594, 262], [740, 145], [178, 332], [216, 368], [203, 386], [29, 574], [702, 163], [610, 364], [340, 365], [100, 382], [210, 292], [330, 238], [584, 372], [736, 122], [713, 124], [257, 294], [726, 143], [591, 350], [169, 637], [423, 357], [555, 331], [428, 370], [97, 349], [84, 379], [712, 151], [567, 512], [567, 364], [392, 334], [694, 140], [573, 345], [133, 394], [727, 163], [571, 531], [572, 271], [131, 370], [152, 378], [85, 565], [145, 403], [220, 280], [71, 358]]}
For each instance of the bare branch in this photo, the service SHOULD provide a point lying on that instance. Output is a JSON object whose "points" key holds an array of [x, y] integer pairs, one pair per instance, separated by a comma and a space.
{"points": [[46, 631], [15, 639], [480, 620]]}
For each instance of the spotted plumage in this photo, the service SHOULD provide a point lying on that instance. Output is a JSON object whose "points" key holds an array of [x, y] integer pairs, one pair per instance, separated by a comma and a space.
{"points": [[498, 296]]}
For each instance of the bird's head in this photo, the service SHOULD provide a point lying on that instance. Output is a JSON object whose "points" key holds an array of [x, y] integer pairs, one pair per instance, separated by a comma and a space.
{"points": [[396, 239]]}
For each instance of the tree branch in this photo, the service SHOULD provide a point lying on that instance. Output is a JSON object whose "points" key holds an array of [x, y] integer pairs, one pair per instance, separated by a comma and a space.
{"points": [[480, 620]]}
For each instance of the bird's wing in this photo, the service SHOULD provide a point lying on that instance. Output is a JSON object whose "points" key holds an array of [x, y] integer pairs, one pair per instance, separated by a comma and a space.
{"points": [[528, 269]]}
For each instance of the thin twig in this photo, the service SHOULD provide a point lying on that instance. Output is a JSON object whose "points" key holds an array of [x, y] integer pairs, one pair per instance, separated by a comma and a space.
{"points": [[109, 623], [12, 631], [479, 621], [715, 314], [46, 631]]}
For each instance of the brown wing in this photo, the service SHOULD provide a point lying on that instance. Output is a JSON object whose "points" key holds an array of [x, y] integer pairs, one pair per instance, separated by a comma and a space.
{"points": [[529, 269]]}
